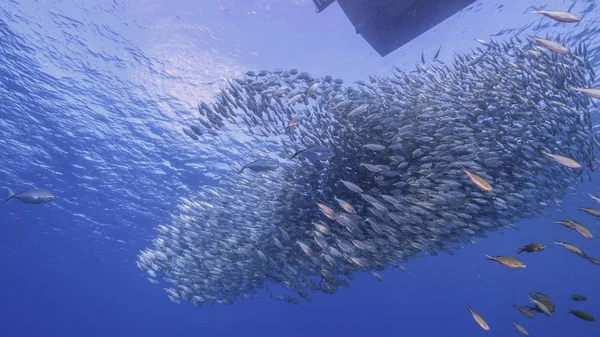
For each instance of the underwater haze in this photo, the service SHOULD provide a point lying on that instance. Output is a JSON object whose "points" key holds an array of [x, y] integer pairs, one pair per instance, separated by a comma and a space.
{"points": [[96, 96]]}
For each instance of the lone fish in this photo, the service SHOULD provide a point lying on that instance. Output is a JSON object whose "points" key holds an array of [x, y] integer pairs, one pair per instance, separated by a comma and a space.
{"points": [[477, 317], [559, 15], [477, 180], [564, 161], [507, 261], [31, 196], [553, 46]]}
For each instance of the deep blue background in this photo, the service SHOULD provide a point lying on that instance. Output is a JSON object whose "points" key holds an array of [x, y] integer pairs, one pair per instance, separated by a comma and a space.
{"points": [[92, 99]]}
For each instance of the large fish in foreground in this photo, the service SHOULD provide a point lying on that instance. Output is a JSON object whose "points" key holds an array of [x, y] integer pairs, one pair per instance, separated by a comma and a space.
{"points": [[397, 187], [33, 196]]}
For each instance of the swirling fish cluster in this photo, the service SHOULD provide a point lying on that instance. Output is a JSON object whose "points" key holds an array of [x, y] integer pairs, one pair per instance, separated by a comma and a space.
{"points": [[365, 177]]}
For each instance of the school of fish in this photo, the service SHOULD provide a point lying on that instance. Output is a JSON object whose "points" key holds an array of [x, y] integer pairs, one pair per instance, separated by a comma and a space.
{"points": [[312, 181]]}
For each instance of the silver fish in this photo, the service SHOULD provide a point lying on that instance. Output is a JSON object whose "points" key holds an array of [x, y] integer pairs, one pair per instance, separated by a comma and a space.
{"points": [[34, 196]]}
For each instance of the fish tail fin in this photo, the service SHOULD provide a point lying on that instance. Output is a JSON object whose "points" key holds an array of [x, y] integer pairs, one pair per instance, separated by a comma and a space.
{"points": [[240, 171], [11, 195], [490, 257], [520, 251]]}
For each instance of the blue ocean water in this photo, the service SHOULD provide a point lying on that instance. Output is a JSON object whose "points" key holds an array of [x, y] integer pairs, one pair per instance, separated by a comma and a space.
{"points": [[94, 95]]}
